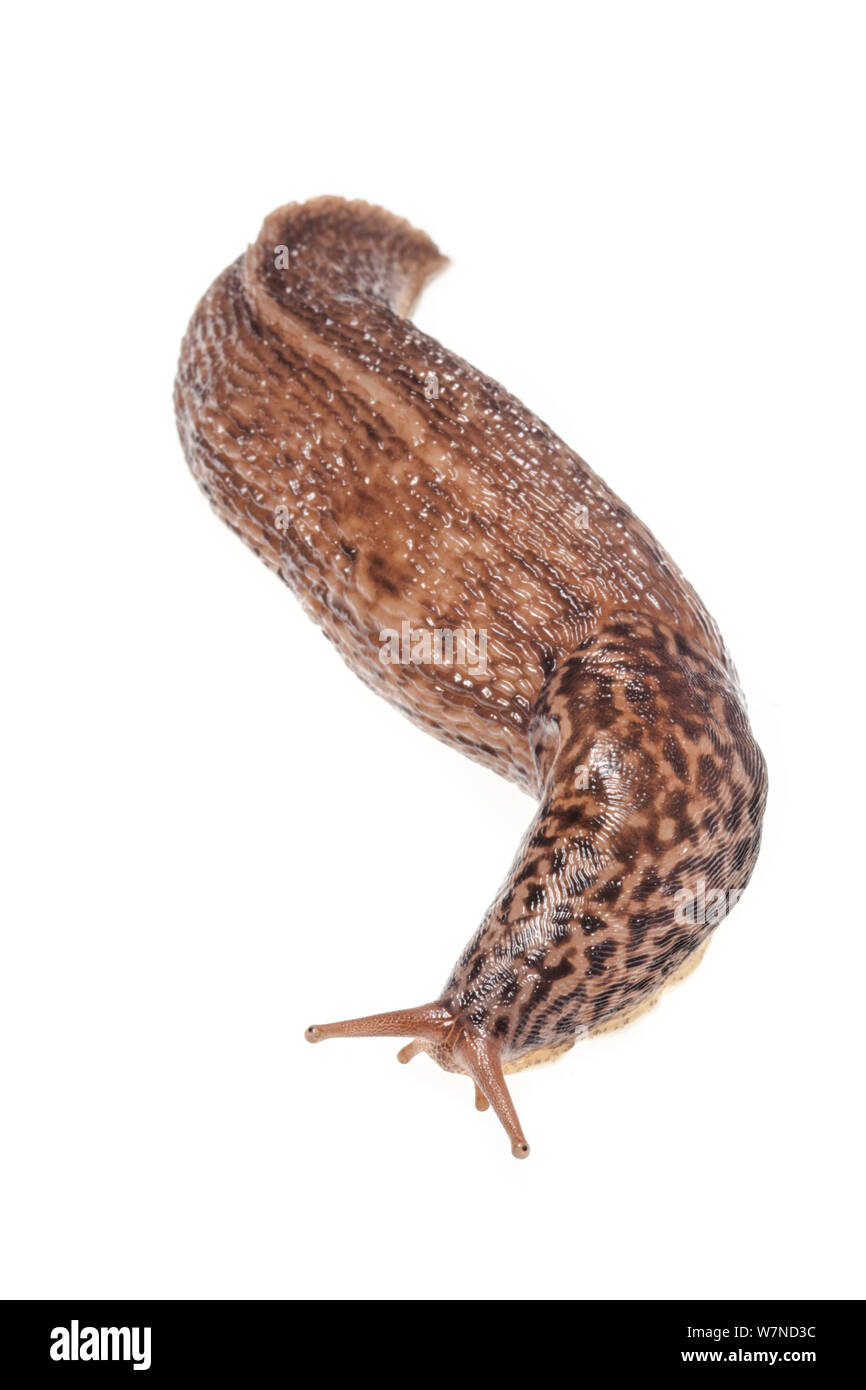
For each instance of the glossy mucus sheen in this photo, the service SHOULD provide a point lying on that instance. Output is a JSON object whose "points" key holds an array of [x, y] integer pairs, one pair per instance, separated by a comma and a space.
{"points": [[409, 500]]}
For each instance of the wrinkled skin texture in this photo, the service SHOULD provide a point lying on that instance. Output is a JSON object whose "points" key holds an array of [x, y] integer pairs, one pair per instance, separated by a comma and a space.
{"points": [[385, 497]]}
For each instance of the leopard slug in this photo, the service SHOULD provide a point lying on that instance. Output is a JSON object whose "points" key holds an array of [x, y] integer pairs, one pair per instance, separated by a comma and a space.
{"points": [[473, 570]]}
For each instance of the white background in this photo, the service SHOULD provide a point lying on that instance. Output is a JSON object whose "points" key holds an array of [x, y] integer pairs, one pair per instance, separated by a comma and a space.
{"points": [[216, 835]]}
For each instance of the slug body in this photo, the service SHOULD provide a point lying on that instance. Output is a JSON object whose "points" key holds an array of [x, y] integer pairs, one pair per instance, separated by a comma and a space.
{"points": [[472, 569]]}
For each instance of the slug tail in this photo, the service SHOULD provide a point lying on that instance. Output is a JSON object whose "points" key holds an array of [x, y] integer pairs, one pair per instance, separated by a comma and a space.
{"points": [[340, 251]]}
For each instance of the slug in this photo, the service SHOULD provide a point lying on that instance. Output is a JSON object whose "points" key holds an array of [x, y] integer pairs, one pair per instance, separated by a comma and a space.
{"points": [[473, 570]]}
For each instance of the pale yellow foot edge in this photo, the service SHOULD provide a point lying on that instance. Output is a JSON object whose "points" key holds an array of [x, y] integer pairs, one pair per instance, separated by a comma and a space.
{"points": [[552, 1054], [623, 1020], [540, 1056]]}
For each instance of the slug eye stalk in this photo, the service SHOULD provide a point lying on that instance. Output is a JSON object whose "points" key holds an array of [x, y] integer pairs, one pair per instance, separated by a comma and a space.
{"points": [[453, 1043]]}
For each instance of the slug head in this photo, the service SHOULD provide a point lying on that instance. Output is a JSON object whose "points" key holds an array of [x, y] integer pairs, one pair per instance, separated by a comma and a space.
{"points": [[452, 1042]]}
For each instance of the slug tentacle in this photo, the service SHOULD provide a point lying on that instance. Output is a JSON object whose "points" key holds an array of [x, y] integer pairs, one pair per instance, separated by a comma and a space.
{"points": [[455, 1044], [473, 570], [431, 1021]]}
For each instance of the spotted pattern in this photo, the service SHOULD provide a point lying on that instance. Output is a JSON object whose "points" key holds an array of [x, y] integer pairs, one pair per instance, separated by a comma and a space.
{"points": [[626, 869], [608, 692]]}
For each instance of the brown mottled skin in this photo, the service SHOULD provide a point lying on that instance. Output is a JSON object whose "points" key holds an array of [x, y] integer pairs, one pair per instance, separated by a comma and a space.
{"points": [[608, 693]]}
